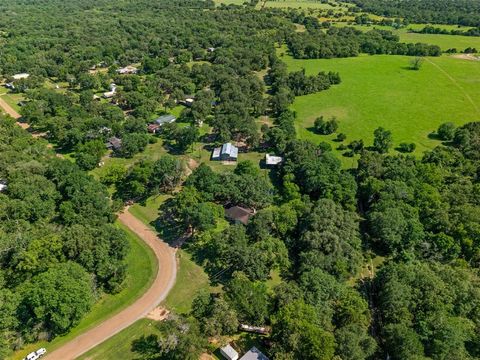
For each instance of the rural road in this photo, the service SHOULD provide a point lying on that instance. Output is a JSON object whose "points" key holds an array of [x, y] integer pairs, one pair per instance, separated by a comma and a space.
{"points": [[164, 280]]}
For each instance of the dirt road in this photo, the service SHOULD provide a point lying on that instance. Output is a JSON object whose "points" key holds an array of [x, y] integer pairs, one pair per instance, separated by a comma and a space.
{"points": [[164, 280], [10, 111]]}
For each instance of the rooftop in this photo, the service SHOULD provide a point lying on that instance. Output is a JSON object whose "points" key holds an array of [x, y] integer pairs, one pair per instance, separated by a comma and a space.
{"points": [[273, 160], [254, 354], [238, 213], [169, 118], [229, 352], [230, 150]]}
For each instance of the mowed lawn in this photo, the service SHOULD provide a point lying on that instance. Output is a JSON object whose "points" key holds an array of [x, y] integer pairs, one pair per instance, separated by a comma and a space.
{"points": [[382, 91]]}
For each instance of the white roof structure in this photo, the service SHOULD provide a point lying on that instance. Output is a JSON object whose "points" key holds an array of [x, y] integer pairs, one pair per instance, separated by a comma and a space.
{"points": [[254, 354], [227, 151], [273, 160], [21, 76], [128, 70], [229, 352], [3, 187]]}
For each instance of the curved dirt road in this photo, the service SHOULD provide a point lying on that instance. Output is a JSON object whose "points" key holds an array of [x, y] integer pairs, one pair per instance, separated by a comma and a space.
{"points": [[164, 280]]}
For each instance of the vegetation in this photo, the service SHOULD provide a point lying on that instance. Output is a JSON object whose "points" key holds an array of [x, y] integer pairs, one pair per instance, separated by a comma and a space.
{"points": [[378, 259]]}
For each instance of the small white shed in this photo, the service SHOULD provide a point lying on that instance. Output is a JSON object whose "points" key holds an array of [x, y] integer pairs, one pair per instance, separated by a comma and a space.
{"points": [[229, 352]]}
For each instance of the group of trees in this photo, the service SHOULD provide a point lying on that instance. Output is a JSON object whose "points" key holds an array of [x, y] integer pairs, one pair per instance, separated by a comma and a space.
{"points": [[457, 12], [421, 214], [58, 247], [347, 41], [429, 29]]}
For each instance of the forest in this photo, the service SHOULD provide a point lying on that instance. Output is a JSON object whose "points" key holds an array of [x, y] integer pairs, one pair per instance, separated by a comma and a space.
{"points": [[378, 260], [458, 12]]}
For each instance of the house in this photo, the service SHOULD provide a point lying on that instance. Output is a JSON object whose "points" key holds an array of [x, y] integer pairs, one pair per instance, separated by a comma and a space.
{"points": [[20, 76], [227, 152], [165, 119], [272, 160], [110, 94], [239, 215], [114, 143], [127, 70], [229, 352], [153, 128], [254, 354]]}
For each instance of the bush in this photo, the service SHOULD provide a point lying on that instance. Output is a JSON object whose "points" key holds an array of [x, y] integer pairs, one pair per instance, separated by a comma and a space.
{"points": [[446, 131]]}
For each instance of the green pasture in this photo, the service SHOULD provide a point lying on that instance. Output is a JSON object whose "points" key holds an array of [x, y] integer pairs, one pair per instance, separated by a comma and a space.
{"points": [[383, 91], [142, 268]]}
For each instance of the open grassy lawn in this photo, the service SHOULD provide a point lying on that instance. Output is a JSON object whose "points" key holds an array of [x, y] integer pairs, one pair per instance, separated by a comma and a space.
{"points": [[298, 4], [191, 278], [119, 346], [382, 91], [142, 268], [13, 99]]}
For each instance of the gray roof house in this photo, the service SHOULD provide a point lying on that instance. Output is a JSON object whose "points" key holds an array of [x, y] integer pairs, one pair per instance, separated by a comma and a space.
{"points": [[227, 152], [114, 143], [229, 352], [239, 215], [165, 119], [254, 354]]}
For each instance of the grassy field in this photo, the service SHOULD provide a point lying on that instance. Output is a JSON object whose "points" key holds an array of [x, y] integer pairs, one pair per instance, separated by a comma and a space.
{"points": [[119, 346], [142, 268], [383, 91]]}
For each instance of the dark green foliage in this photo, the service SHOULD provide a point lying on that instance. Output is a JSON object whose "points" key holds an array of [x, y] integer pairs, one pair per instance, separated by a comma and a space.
{"points": [[57, 244], [340, 42], [325, 127], [428, 310], [446, 131], [57, 298], [458, 12], [406, 147], [382, 141]]}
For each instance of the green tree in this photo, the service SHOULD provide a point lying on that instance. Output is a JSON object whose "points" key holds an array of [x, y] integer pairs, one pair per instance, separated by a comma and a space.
{"points": [[382, 141], [57, 299]]}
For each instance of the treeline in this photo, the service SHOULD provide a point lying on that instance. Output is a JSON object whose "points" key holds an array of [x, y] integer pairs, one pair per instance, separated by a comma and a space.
{"points": [[347, 42], [436, 30], [458, 12], [324, 228], [59, 249]]}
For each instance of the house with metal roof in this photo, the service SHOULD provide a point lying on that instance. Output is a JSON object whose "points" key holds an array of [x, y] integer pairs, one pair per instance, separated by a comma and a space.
{"points": [[165, 119], [229, 352], [20, 76], [114, 143], [254, 354], [227, 152]]}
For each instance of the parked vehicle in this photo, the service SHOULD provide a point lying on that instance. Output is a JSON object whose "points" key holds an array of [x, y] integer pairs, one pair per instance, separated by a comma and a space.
{"points": [[35, 355]]}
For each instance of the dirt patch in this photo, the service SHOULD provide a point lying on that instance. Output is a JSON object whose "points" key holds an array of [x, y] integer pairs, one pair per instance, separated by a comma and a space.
{"points": [[470, 57], [11, 111], [206, 356], [158, 314]]}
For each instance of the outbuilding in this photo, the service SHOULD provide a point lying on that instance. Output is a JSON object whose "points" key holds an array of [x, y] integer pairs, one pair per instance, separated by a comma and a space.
{"points": [[229, 352], [272, 160], [227, 152]]}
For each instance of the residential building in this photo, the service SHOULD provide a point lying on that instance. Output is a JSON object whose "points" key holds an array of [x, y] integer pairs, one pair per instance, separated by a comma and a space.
{"points": [[114, 143], [127, 70], [239, 215], [254, 354], [227, 152], [165, 119], [153, 128]]}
